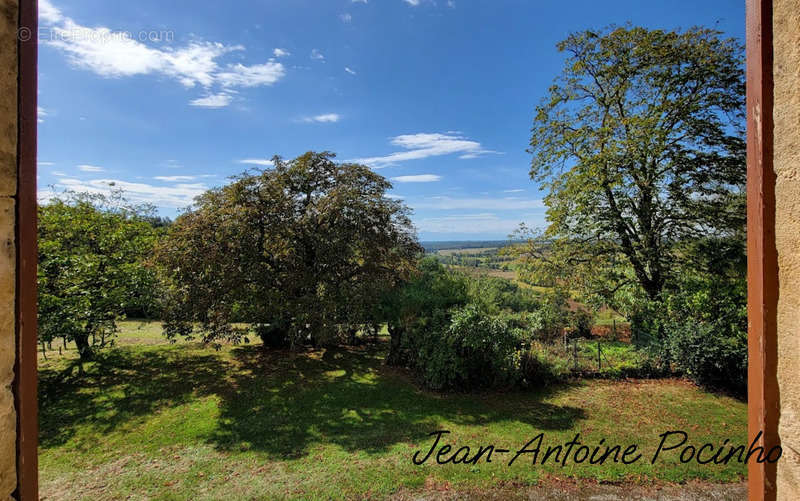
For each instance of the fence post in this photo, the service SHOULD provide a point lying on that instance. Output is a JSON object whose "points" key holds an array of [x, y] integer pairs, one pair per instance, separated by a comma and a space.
{"points": [[598, 355]]}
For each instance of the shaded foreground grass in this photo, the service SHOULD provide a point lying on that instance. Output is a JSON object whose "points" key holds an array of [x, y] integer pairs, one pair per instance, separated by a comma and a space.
{"points": [[187, 422]]}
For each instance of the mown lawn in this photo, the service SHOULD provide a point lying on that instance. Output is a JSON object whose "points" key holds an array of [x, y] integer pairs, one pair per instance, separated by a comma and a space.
{"points": [[187, 422]]}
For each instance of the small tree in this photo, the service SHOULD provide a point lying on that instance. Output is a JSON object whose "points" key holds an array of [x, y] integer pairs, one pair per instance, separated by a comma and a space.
{"points": [[301, 251], [91, 267]]}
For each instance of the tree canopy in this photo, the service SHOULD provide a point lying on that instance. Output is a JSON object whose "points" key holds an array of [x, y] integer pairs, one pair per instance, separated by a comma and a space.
{"points": [[640, 147], [301, 250], [92, 251]]}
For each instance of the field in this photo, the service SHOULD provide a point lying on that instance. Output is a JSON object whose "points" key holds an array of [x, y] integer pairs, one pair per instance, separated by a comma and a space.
{"points": [[185, 421]]}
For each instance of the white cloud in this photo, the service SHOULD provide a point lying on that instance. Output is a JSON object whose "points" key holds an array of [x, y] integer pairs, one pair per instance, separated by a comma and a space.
{"points": [[346, 17], [58, 173], [212, 101], [513, 191], [413, 3], [114, 54], [317, 55], [325, 118], [40, 114], [451, 4], [172, 179], [359, 1], [90, 168], [425, 145], [281, 53], [44, 164], [175, 196], [239, 75], [258, 161], [349, 70], [447, 203], [48, 13], [421, 178]]}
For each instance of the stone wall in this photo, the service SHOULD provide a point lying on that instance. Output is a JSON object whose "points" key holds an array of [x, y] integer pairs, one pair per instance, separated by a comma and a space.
{"points": [[8, 187], [786, 114]]}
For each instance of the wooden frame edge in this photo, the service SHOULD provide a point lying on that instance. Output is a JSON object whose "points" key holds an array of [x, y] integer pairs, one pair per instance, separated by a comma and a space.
{"points": [[25, 371], [763, 402]]}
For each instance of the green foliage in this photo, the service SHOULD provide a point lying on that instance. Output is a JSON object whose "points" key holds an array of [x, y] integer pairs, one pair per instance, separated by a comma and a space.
{"points": [[459, 332], [92, 252], [706, 330], [699, 324], [303, 251], [547, 322], [639, 145], [472, 350]]}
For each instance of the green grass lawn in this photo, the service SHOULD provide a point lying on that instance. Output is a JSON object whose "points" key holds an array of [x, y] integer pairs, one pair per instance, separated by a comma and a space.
{"points": [[153, 420]]}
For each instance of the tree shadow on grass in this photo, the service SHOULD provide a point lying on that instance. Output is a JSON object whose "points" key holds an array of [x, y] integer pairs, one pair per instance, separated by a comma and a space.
{"points": [[276, 402], [122, 385], [282, 403]]}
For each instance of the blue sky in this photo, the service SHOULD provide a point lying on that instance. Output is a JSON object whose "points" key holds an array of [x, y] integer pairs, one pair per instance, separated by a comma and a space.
{"points": [[169, 98]]}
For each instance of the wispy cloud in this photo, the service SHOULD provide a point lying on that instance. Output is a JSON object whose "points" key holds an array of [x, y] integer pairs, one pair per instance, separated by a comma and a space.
{"points": [[324, 118], [281, 52], [424, 145], [115, 54], [172, 179], [40, 114], [264, 162], [346, 17], [239, 75], [174, 196], [90, 168], [48, 13], [513, 191], [413, 3], [421, 178], [317, 55], [349, 70], [45, 164], [359, 1], [212, 101]]}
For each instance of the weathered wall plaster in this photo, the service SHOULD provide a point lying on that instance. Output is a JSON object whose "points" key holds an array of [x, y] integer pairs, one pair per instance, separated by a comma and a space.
{"points": [[786, 113]]}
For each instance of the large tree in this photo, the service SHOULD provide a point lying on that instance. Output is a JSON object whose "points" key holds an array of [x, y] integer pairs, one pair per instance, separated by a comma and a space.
{"points": [[639, 145], [301, 251]]}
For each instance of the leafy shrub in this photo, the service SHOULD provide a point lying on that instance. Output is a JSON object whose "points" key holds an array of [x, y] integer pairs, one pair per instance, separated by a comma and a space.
{"points": [[699, 328], [550, 318], [471, 350], [709, 355]]}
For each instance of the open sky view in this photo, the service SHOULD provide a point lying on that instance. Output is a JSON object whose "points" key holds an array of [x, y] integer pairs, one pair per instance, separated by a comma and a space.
{"points": [[168, 99]]}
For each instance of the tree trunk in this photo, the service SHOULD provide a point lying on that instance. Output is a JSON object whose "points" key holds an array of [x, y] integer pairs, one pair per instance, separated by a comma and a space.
{"points": [[84, 348], [395, 356]]}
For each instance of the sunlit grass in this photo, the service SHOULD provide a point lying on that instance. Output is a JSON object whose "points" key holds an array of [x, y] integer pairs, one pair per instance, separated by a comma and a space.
{"points": [[187, 422]]}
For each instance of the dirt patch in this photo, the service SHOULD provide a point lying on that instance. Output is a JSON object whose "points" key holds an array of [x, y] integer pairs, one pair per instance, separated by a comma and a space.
{"points": [[570, 490]]}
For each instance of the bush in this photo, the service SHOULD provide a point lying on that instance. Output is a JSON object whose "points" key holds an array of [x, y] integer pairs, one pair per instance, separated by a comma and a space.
{"points": [[708, 355], [471, 350]]}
